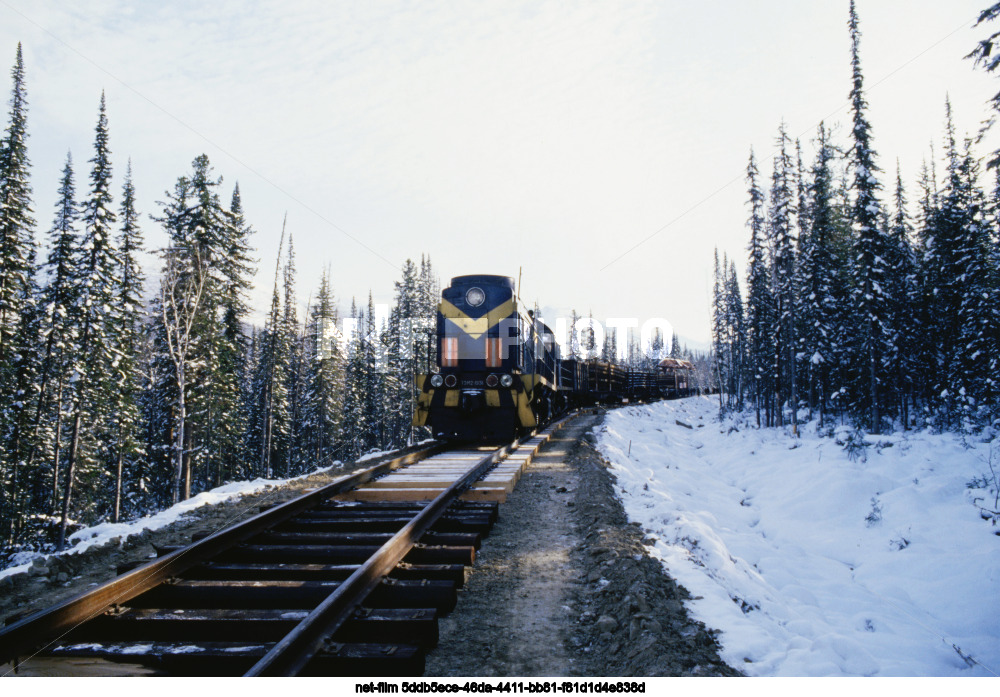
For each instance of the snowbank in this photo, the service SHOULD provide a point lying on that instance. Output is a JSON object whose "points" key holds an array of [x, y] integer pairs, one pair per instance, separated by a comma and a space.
{"points": [[103, 533], [809, 563]]}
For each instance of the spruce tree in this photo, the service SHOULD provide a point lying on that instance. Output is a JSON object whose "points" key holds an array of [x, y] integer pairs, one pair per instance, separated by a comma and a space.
{"points": [[870, 243], [127, 452], [95, 351], [324, 379], [904, 298], [736, 326], [925, 257], [820, 304], [425, 322], [292, 371], [719, 327], [975, 313], [984, 56], [402, 364], [16, 227], [58, 335], [354, 425], [574, 338], [373, 437], [991, 384], [760, 312], [268, 434], [231, 391], [954, 274], [17, 313], [783, 270]]}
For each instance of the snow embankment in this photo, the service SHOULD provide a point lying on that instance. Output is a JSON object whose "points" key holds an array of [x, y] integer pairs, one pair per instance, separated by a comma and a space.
{"points": [[809, 563], [104, 533]]}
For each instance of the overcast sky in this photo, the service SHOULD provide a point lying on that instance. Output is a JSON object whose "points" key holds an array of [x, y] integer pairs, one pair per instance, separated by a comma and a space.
{"points": [[598, 147]]}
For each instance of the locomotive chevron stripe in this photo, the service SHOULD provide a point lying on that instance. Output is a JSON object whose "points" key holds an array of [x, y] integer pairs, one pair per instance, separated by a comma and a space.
{"points": [[476, 327]]}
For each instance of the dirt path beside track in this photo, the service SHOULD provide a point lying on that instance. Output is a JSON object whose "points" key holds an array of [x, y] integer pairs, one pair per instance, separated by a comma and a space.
{"points": [[563, 586]]}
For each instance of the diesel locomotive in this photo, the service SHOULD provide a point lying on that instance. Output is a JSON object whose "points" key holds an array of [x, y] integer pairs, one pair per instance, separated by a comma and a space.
{"points": [[499, 372]]}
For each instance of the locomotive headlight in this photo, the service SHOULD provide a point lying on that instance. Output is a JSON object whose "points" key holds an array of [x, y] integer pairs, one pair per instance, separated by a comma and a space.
{"points": [[436, 381], [475, 297], [506, 380], [491, 381], [451, 381]]}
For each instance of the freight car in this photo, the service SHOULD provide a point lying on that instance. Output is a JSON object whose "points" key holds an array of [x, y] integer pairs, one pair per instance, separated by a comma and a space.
{"points": [[673, 377], [499, 371]]}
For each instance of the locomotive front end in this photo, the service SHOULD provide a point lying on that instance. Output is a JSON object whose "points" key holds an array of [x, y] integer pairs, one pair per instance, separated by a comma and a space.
{"points": [[476, 391]]}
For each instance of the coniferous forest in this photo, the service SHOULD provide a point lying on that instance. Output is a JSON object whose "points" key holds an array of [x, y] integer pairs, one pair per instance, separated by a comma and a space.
{"points": [[864, 302], [117, 401], [126, 389], [119, 397]]}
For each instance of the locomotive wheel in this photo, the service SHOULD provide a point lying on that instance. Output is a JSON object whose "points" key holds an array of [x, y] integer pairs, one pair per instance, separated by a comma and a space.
{"points": [[543, 411]]}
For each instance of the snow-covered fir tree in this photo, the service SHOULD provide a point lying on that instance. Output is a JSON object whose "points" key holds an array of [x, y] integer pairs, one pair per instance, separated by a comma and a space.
{"points": [[782, 245], [735, 337], [237, 268], [760, 301], [18, 324], [267, 437], [354, 426], [293, 370], [720, 329], [401, 364], [321, 417], [903, 365], [373, 381], [126, 451], [871, 247], [57, 303], [96, 350], [820, 305]]}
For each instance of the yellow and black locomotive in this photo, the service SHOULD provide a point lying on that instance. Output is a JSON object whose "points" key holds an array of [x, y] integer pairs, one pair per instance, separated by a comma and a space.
{"points": [[495, 373], [499, 372]]}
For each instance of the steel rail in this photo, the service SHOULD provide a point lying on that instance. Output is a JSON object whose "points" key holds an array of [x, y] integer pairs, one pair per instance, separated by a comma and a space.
{"points": [[22, 637], [291, 655]]}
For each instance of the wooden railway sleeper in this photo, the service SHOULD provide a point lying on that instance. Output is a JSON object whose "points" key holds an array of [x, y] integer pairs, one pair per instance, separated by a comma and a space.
{"points": [[416, 626], [295, 653], [388, 593]]}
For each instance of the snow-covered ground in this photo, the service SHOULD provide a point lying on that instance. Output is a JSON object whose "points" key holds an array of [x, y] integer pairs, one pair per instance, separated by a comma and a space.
{"points": [[809, 563], [105, 532]]}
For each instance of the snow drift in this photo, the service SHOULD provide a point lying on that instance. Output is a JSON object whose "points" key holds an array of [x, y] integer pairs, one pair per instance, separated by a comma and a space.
{"points": [[812, 563]]}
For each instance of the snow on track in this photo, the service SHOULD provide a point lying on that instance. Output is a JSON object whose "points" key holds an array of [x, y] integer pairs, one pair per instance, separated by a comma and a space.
{"points": [[103, 533]]}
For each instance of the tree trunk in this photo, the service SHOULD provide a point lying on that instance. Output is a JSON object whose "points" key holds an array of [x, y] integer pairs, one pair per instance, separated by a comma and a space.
{"points": [[179, 435], [795, 395], [116, 516], [57, 448], [188, 451], [74, 446], [876, 426]]}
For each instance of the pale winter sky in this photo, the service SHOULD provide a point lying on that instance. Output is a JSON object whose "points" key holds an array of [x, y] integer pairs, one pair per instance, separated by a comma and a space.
{"points": [[597, 147]]}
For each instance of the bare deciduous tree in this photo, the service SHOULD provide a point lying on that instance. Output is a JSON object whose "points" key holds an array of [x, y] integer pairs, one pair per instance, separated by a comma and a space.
{"points": [[181, 290]]}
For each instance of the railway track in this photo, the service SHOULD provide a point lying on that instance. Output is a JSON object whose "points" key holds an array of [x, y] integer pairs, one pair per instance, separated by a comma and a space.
{"points": [[348, 579]]}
